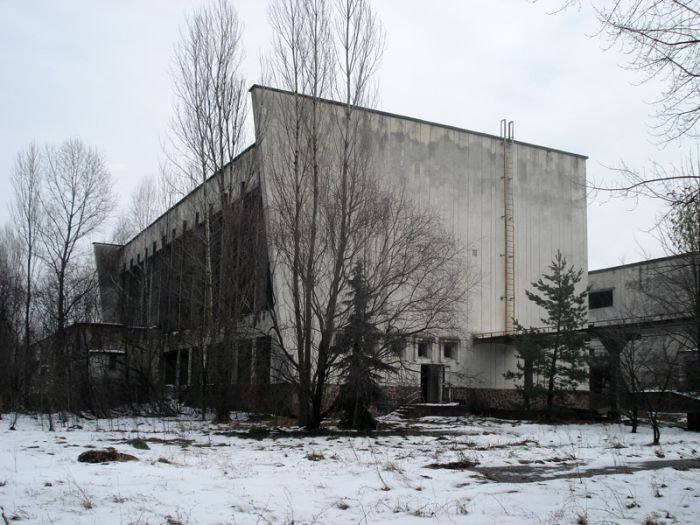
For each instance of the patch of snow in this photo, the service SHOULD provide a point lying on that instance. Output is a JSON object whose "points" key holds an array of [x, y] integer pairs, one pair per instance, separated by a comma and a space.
{"points": [[199, 472]]}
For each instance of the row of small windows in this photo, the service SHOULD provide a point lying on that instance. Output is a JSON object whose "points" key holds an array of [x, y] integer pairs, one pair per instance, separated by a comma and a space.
{"points": [[422, 348], [182, 367], [449, 348], [164, 239], [154, 246]]}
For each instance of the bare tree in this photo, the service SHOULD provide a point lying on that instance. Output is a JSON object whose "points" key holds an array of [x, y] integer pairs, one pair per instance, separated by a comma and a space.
{"points": [[649, 367], [145, 205], [208, 128], [302, 63], [76, 199], [674, 287], [26, 182], [12, 296], [328, 211], [662, 40]]}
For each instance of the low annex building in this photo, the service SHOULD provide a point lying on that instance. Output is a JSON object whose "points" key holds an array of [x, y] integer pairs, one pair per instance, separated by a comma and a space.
{"points": [[643, 323], [511, 205]]}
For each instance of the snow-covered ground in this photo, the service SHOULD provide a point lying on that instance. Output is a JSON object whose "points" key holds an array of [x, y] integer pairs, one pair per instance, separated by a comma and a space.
{"points": [[196, 472]]}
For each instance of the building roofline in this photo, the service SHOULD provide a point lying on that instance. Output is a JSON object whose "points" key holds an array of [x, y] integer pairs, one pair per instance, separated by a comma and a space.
{"points": [[419, 121], [639, 263], [182, 199]]}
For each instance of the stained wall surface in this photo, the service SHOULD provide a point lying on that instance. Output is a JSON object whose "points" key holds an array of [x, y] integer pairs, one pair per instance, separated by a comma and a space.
{"points": [[459, 174], [456, 173]]}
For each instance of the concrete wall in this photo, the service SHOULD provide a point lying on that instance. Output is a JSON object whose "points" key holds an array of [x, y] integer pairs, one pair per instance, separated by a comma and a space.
{"points": [[240, 176], [455, 172], [459, 174], [653, 307], [658, 287]]}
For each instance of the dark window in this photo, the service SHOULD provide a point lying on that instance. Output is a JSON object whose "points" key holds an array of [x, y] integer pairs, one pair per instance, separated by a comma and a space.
{"points": [[112, 364], [196, 363], [171, 367], [262, 361], [184, 367], [449, 349], [600, 299], [245, 351], [424, 348]]}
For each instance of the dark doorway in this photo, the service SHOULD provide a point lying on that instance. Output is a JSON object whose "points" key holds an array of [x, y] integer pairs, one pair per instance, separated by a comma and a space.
{"points": [[431, 383]]}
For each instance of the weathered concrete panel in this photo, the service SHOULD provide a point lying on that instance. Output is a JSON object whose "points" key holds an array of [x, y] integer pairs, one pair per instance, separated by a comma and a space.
{"points": [[459, 174]]}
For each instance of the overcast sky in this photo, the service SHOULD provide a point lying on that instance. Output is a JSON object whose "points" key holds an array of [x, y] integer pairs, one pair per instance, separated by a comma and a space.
{"points": [[100, 70]]}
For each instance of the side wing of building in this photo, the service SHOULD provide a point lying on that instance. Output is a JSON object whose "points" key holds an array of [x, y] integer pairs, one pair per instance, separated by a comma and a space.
{"points": [[645, 316]]}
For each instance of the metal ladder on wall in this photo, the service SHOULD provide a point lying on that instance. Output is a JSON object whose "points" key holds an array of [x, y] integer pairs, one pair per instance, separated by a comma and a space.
{"points": [[507, 134]]}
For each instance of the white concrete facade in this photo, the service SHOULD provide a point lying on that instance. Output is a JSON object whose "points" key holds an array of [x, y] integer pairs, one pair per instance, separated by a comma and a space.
{"points": [[653, 305], [460, 174], [456, 172]]}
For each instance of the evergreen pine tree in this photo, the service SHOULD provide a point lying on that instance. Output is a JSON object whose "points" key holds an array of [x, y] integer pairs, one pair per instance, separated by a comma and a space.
{"points": [[555, 353], [360, 363]]}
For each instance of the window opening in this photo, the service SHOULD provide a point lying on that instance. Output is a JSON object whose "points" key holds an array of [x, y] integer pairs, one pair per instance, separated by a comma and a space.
{"points": [[600, 299]]}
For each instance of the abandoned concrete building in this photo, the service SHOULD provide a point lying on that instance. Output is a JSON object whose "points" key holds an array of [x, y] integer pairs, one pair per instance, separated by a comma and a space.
{"points": [[511, 204], [643, 327]]}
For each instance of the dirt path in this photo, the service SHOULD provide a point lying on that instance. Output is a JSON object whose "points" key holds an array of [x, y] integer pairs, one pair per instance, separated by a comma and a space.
{"points": [[531, 474]]}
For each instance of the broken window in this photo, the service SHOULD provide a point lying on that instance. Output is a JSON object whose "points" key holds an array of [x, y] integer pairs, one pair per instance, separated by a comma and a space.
{"points": [[424, 348], [262, 360], [245, 351], [600, 299], [449, 349], [171, 367], [183, 378], [177, 367]]}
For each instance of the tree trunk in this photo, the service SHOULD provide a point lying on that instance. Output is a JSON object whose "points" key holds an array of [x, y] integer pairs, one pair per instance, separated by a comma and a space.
{"points": [[656, 430], [635, 419], [527, 383]]}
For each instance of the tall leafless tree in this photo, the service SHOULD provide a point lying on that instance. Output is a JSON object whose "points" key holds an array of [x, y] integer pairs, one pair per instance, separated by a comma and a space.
{"points": [[328, 211], [674, 287], [649, 368], [12, 296], [27, 183], [75, 201], [208, 129]]}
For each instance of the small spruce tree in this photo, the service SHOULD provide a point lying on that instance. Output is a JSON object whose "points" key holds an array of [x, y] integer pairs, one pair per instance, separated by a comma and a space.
{"points": [[360, 363], [554, 353], [528, 351]]}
